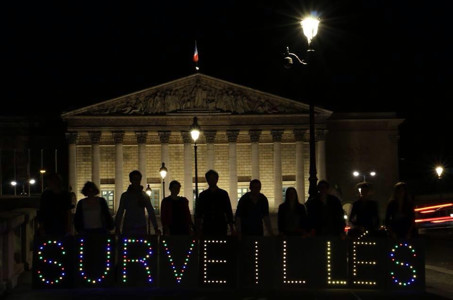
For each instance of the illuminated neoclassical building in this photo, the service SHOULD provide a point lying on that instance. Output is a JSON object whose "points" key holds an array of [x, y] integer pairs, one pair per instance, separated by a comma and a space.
{"points": [[245, 134]]}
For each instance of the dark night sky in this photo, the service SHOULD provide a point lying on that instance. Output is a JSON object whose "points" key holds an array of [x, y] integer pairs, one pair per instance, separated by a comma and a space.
{"points": [[370, 56]]}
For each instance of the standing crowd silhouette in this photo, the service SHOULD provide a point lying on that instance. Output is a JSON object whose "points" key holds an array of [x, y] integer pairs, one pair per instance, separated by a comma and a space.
{"points": [[321, 215]]}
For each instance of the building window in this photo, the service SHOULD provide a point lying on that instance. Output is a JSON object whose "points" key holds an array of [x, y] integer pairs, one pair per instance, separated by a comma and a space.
{"points": [[284, 192], [109, 195], [155, 200], [242, 191]]}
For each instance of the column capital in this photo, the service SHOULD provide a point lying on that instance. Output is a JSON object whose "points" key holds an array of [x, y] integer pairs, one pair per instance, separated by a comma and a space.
{"points": [[118, 136], [164, 136], [95, 136], [72, 137], [255, 135], [210, 136], [299, 134], [232, 135], [277, 135], [187, 139], [141, 136]]}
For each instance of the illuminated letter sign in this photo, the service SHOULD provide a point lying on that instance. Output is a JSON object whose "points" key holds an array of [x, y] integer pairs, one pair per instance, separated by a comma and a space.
{"points": [[136, 257], [356, 262], [285, 275], [178, 262], [402, 272], [330, 265], [50, 269], [94, 260], [218, 262]]}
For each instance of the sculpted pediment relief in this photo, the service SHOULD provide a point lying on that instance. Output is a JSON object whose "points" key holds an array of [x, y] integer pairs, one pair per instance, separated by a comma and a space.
{"points": [[198, 93]]}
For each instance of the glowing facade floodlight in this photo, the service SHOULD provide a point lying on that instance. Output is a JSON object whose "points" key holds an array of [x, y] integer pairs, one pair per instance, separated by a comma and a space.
{"points": [[310, 27], [148, 190], [439, 171]]}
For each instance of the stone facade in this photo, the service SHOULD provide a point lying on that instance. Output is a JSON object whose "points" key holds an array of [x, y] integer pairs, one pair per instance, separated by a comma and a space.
{"points": [[246, 132]]}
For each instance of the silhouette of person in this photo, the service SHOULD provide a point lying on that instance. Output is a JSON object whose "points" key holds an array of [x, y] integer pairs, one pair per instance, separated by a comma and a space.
{"points": [[325, 213], [54, 213], [364, 214], [213, 212], [92, 213], [292, 215], [252, 210], [400, 215], [175, 213], [132, 205]]}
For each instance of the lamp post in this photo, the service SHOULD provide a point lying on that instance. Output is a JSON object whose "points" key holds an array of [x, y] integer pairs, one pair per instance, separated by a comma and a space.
{"points": [[163, 172], [439, 171], [42, 172], [195, 134], [310, 28], [31, 182], [357, 173], [14, 184]]}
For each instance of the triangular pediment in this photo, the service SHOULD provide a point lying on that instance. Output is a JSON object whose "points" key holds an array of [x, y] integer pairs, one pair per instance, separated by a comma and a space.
{"points": [[196, 93]]}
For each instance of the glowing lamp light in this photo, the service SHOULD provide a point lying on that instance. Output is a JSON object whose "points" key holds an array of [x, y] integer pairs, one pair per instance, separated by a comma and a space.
{"points": [[355, 173], [13, 183], [42, 171], [32, 181], [372, 173], [439, 171], [195, 130], [148, 190], [310, 27], [163, 171]]}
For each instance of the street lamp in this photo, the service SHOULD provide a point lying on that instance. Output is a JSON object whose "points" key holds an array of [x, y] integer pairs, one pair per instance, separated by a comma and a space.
{"points": [[357, 174], [310, 28], [163, 172], [14, 184], [439, 170], [42, 172], [148, 190], [31, 182], [195, 134]]}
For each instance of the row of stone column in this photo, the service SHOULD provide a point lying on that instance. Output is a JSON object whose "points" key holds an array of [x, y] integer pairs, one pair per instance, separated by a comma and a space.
{"points": [[232, 135]]}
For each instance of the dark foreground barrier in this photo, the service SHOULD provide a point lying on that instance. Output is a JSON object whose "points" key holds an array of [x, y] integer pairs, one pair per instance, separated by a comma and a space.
{"points": [[255, 263]]}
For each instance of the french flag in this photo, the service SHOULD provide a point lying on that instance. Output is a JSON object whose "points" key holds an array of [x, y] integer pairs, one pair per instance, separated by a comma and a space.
{"points": [[195, 53]]}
